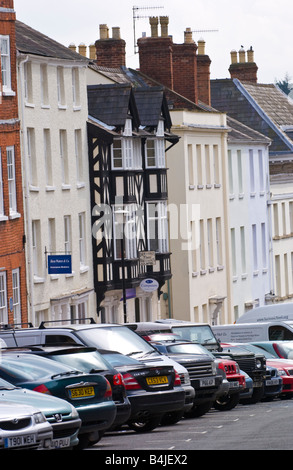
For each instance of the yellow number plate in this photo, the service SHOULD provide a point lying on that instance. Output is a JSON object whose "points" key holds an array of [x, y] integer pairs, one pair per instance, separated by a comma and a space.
{"points": [[82, 392], [157, 380]]}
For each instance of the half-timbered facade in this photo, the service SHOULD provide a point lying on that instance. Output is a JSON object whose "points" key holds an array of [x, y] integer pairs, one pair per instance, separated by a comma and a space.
{"points": [[128, 136]]}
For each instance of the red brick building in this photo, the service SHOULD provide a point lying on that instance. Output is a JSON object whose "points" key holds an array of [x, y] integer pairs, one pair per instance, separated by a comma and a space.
{"points": [[13, 292]]}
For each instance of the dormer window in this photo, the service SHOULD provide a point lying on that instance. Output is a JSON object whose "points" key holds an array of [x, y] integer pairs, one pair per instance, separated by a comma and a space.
{"points": [[155, 153], [126, 150]]}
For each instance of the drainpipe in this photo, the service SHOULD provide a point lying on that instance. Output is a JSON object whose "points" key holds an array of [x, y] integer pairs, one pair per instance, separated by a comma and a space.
{"points": [[29, 250]]}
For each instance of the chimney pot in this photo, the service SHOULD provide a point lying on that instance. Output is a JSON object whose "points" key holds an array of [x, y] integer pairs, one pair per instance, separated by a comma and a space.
{"points": [[116, 32], [82, 49], [92, 49], [104, 31], [164, 21], [188, 36], [72, 47], [250, 55], [154, 21], [242, 59], [233, 57], [201, 47]]}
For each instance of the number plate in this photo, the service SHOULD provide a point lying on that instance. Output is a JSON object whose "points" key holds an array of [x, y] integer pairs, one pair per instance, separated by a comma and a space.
{"points": [[20, 441], [60, 443], [272, 382], [207, 382], [157, 380], [81, 392], [234, 384]]}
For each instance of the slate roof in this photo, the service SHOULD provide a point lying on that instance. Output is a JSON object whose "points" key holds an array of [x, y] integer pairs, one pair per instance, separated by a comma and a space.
{"points": [[262, 107], [30, 41], [111, 104], [240, 133], [151, 103]]}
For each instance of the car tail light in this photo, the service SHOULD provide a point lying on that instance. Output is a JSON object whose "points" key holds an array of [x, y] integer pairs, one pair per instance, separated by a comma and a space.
{"points": [[221, 366], [42, 389], [108, 392], [130, 382], [177, 380], [118, 379]]}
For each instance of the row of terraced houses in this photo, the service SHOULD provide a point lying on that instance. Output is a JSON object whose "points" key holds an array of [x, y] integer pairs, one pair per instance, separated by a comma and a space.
{"points": [[132, 195]]}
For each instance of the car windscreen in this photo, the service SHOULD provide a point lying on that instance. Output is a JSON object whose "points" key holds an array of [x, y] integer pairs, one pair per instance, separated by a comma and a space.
{"points": [[187, 348], [117, 359], [116, 338], [201, 334], [258, 350], [85, 361], [6, 385], [286, 348]]}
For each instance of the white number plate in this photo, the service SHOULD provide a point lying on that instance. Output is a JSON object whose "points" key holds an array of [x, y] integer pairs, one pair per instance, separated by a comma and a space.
{"points": [[59, 443], [272, 382], [234, 384], [207, 382], [20, 441]]}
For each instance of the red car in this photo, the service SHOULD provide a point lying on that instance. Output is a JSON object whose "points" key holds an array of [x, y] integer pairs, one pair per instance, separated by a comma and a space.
{"points": [[236, 381]]}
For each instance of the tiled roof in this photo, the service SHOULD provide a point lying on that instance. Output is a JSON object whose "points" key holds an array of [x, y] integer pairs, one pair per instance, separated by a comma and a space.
{"points": [[30, 41], [242, 134], [111, 104]]}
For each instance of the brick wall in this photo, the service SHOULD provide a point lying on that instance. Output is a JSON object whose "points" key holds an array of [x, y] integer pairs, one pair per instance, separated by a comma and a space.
{"points": [[12, 249]]}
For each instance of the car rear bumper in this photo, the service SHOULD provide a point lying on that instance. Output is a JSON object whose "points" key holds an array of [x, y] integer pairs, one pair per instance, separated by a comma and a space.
{"points": [[157, 403], [97, 417]]}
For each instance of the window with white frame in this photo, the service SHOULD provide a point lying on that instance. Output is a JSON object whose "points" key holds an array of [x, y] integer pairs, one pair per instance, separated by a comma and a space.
{"points": [[155, 153], [78, 155], [36, 247], [124, 225], [11, 180], [64, 156], [60, 87], [81, 228], [28, 82], [3, 299], [126, 150], [67, 234], [75, 87], [44, 85], [1, 188], [16, 295], [157, 224], [48, 157], [31, 155], [5, 62]]}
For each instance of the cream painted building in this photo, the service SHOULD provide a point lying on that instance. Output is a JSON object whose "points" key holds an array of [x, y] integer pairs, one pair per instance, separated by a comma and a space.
{"points": [[53, 109], [197, 182]]}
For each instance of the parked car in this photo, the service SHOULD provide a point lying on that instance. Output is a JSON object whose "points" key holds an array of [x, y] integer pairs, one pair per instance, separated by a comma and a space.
{"points": [[202, 369], [101, 336], [90, 361], [61, 415], [154, 392], [90, 394], [246, 393], [236, 380], [281, 349], [23, 427], [273, 383]]}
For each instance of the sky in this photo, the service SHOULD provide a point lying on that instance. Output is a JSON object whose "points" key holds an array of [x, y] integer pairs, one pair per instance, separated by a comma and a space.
{"points": [[266, 25]]}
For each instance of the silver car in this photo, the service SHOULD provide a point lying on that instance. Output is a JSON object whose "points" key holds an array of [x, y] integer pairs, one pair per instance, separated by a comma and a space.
{"points": [[23, 427]]}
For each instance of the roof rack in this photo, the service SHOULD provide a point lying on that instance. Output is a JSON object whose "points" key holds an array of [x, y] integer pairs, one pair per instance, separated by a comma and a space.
{"points": [[70, 320], [13, 326]]}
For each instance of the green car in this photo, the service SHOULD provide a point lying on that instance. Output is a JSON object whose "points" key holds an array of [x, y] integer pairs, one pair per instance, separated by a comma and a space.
{"points": [[62, 416], [90, 394]]}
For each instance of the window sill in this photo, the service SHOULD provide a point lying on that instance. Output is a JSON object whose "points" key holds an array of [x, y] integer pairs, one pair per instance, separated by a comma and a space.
{"points": [[70, 275], [8, 92], [3, 218], [14, 215], [39, 280], [45, 106], [29, 105], [76, 108], [80, 185], [34, 188], [62, 107], [83, 269], [50, 188], [65, 187]]}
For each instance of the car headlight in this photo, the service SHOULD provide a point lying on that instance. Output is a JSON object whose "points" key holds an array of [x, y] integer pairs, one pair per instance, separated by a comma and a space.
{"points": [[281, 372], [39, 418], [258, 363], [74, 412], [214, 368]]}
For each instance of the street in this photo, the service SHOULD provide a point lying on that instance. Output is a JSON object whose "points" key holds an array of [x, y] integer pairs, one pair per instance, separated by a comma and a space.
{"points": [[263, 426]]}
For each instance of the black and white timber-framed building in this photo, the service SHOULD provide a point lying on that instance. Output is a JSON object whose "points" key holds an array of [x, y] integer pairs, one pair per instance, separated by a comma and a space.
{"points": [[129, 132]]}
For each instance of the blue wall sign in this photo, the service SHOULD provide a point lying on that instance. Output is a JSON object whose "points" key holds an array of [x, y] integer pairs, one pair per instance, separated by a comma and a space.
{"points": [[59, 264]]}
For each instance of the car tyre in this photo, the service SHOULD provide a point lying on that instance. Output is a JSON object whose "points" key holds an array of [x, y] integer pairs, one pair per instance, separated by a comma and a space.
{"points": [[198, 410], [227, 402], [145, 424]]}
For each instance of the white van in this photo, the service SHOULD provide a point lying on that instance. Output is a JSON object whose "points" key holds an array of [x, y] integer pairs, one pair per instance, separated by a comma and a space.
{"points": [[275, 312], [259, 331]]}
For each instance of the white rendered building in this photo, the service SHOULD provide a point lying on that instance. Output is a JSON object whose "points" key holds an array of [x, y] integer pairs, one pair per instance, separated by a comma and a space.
{"points": [[53, 108]]}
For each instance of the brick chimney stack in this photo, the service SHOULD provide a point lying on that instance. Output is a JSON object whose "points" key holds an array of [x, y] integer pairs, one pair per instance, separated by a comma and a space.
{"points": [[155, 53], [203, 74], [110, 52], [185, 67], [245, 71]]}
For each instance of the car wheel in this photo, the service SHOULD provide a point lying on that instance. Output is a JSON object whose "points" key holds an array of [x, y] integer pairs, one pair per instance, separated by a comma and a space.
{"points": [[227, 402], [145, 424], [198, 410], [171, 418]]}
